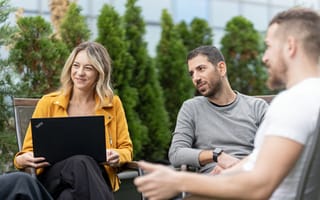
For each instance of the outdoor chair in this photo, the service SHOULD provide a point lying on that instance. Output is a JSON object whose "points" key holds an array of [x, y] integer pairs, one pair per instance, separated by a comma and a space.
{"points": [[309, 184], [23, 110]]}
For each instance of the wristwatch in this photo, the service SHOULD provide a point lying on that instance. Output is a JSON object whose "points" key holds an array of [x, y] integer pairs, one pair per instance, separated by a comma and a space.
{"points": [[216, 153]]}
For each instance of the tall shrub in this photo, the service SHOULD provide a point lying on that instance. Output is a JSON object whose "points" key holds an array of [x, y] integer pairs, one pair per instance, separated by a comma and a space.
{"points": [[183, 30], [37, 57], [111, 34], [242, 49], [8, 145], [5, 77], [74, 29], [171, 65], [197, 33], [150, 106]]}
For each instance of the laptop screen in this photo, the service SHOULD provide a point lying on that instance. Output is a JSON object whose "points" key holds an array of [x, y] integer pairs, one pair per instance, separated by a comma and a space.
{"points": [[57, 138]]}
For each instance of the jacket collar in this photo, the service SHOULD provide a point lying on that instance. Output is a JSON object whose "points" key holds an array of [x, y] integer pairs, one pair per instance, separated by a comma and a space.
{"points": [[63, 101]]}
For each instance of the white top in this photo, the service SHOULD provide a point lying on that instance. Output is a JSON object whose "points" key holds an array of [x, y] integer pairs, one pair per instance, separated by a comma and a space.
{"points": [[292, 114]]}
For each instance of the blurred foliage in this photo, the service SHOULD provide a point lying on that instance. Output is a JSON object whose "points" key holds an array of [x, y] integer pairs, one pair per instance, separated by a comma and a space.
{"points": [[8, 145], [37, 57], [74, 29], [8, 148], [196, 34], [150, 94], [172, 68], [111, 34], [242, 48]]}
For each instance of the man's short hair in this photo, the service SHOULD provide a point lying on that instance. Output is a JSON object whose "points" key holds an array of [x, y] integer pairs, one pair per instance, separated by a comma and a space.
{"points": [[213, 54], [304, 24]]}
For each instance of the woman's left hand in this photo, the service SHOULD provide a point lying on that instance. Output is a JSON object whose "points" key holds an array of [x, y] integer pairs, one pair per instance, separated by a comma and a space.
{"points": [[113, 157]]}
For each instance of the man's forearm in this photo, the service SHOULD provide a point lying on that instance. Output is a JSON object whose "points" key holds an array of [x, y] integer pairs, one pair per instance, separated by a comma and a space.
{"points": [[223, 186], [205, 157]]}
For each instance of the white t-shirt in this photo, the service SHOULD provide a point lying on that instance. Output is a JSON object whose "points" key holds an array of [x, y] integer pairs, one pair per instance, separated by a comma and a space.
{"points": [[292, 114]]}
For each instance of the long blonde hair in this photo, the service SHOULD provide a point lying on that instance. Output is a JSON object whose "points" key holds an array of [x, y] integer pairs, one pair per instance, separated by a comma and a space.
{"points": [[100, 60]]}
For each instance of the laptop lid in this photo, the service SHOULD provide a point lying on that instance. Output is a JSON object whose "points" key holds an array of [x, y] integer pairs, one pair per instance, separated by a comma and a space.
{"points": [[57, 138]]}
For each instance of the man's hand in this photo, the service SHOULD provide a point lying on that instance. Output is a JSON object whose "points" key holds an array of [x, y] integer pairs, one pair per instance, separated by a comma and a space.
{"points": [[159, 182]]}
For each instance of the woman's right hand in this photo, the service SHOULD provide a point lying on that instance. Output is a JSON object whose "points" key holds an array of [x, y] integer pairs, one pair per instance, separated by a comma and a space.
{"points": [[28, 160]]}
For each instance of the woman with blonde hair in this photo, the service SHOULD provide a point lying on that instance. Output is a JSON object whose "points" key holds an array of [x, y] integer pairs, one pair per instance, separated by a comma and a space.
{"points": [[85, 90]]}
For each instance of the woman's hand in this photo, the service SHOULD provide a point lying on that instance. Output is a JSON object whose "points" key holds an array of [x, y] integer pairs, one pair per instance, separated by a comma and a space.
{"points": [[113, 157], [28, 160]]}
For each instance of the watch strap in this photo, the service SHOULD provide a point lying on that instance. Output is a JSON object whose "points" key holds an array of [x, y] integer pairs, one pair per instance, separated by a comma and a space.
{"points": [[216, 153]]}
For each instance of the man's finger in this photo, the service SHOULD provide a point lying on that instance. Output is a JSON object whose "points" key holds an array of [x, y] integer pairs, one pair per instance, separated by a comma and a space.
{"points": [[147, 166]]}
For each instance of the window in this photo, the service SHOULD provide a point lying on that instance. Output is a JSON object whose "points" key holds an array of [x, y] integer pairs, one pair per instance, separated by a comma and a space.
{"points": [[187, 10]]}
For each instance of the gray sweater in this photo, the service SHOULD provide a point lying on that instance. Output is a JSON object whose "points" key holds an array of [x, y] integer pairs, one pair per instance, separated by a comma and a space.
{"points": [[202, 125]]}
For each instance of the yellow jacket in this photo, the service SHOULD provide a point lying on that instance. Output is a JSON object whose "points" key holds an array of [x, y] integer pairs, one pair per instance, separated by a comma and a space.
{"points": [[116, 128]]}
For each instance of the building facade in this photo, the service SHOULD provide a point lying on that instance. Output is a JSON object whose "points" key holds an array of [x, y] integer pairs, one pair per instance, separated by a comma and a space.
{"points": [[216, 12]]}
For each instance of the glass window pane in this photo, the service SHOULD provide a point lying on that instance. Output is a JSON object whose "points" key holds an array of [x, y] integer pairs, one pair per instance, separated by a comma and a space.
{"points": [[189, 9], [288, 3], [219, 18], [257, 14], [27, 5], [152, 10], [309, 3]]}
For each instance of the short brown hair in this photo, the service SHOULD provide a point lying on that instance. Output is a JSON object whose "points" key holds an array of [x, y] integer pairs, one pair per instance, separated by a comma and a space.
{"points": [[213, 54], [304, 24]]}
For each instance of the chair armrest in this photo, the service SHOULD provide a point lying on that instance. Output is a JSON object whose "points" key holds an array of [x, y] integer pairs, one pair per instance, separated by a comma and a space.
{"points": [[130, 165], [31, 171], [197, 197], [129, 170]]}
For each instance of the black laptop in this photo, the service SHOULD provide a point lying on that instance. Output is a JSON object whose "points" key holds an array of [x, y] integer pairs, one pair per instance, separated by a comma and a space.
{"points": [[57, 138]]}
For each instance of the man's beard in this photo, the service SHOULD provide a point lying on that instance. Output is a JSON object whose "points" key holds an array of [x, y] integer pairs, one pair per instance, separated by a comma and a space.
{"points": [[274, 83], [213, 91], [276, 79]]}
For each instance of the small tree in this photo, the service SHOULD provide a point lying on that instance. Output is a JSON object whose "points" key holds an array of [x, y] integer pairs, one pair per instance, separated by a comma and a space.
{"points": [[150, 106], [8, 145], [185, 35], [5, 78], [196, 34], [241, 48], [37, 57], [74, 29], [112, 35], [173, 72]]}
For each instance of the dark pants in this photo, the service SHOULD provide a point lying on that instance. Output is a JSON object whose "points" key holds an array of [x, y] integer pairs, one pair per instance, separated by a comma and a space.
{"points": [[21, 186], [78, 177]]}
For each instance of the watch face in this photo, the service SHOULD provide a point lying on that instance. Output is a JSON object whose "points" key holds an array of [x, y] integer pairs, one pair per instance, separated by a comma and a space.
{"points": [[217, 151]]}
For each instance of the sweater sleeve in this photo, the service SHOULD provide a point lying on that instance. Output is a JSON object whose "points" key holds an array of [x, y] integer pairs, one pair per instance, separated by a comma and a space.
{"points": [[181, 151]]}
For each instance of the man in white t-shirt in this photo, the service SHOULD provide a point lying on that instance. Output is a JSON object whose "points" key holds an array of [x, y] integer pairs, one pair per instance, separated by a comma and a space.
{"points": [[275, 166]]}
